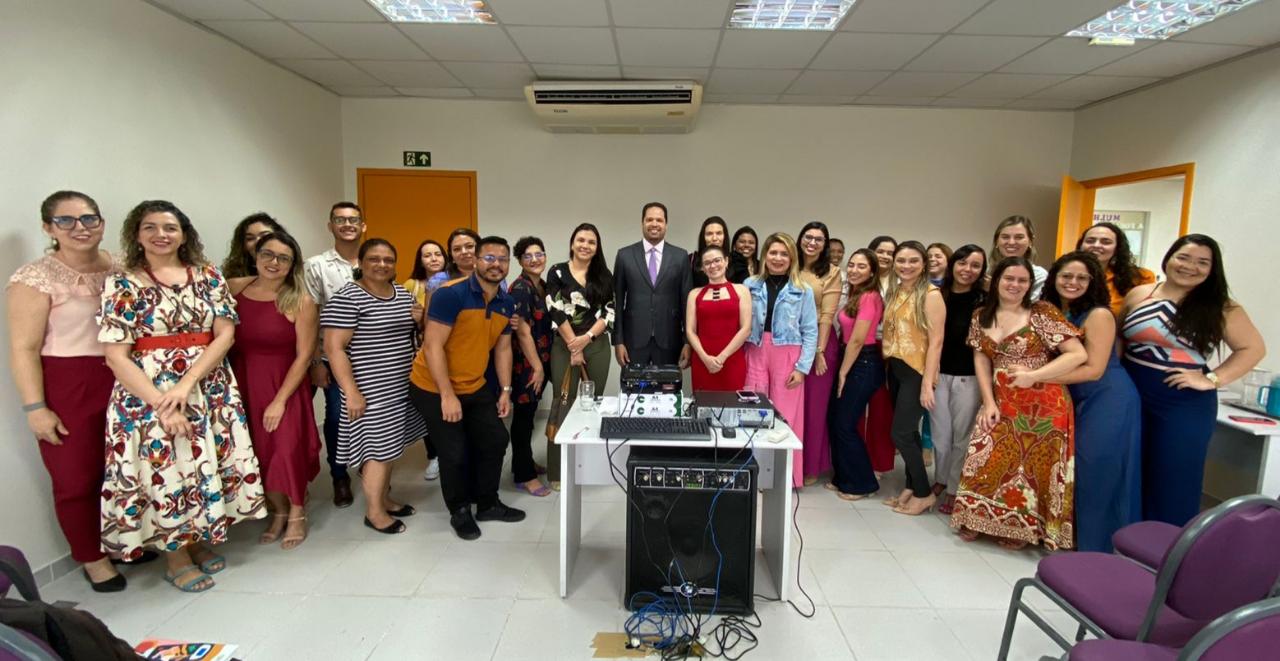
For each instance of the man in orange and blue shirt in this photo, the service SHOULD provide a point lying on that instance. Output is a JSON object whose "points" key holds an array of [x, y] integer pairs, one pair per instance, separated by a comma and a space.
{"points": [[466, 319]]}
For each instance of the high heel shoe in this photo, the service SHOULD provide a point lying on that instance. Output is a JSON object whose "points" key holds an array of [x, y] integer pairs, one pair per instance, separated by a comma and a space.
{"points": [[114, 584]]}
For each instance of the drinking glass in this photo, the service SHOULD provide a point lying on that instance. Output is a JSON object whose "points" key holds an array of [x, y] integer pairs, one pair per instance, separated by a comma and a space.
{"points": [[587, 395]]}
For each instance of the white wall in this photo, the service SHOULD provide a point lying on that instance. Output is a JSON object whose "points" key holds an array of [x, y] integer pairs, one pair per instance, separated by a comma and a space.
{"points": [[1227, 121], [1161, 199], [927, 174], [124, 102]]}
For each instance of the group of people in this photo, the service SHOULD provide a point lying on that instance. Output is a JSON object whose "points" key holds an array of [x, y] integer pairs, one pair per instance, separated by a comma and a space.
{"points": [[171, 399]]}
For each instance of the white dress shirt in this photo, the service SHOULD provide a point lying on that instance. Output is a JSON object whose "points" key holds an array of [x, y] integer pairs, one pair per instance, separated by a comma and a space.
{"points": [[325, 274]]}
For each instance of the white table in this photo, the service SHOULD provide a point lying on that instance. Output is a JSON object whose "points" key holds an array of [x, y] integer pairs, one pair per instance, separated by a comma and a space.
{"points": [[584, 460], [1235, 448]]}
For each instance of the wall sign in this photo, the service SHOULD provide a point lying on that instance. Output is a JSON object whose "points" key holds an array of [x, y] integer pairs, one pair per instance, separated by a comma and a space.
{"points": [[417, 159]]}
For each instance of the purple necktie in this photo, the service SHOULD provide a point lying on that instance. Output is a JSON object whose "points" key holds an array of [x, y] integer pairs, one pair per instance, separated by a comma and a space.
{"points": [[653, 266]]}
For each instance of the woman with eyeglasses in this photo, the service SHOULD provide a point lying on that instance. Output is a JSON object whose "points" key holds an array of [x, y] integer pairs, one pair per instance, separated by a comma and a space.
{"points": [[532, 362], [273, 349], [1108, 412], [180, 464], [240, 260], [824, 279], [368, 338], [1110, 245], [1170, 330], [717, 322], [59, 371]]}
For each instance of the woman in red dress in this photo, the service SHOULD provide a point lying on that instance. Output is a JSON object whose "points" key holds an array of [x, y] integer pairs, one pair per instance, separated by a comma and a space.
{"points": [[271, 356], [717, 322]]}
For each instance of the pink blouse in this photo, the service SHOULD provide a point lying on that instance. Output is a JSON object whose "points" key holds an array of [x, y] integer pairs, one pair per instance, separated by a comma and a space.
{"points": [[74, 298], [870, 308]]}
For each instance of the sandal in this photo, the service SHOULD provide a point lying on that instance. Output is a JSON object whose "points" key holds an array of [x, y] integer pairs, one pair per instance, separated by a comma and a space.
{"points": [[192, 585], [968, 535], [542, 491], [403, 510], [212, 563], [851, 496], [268, 537], [831, 486], [916, 510], [810, 481], [291, 542]]}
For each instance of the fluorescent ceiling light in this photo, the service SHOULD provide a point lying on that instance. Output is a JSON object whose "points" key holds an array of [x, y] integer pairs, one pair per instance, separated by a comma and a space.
{"points": [[789, 14], [1149, 19], [434, 11]]}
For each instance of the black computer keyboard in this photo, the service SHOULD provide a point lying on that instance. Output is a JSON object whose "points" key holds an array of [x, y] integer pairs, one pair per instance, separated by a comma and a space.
{"points": [[656, 429]]}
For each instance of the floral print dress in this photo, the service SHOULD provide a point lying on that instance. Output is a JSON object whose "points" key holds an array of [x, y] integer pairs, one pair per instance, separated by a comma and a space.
{"points": [[1018, 480], [531, 306], [162, 491]]}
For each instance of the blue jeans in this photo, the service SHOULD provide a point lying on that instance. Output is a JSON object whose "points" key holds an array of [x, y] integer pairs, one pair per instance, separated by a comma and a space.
{"points": [[849, 458], [332, 413]]}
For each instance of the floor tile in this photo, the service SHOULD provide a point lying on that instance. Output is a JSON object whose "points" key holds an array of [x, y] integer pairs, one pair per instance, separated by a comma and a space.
{"points": [[330, 627], [840, 529], [383, 569], [899, 532], [954, 579], [229, 617], [478, 570], [785, 635], [456, 629], [864, 578], [979, 633], [269, 569], [539, 629], [597, 575], [897, 634]]}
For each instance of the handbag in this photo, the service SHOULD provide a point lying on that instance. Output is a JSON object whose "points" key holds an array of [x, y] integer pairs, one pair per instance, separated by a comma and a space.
{"points": [[560, 405]]}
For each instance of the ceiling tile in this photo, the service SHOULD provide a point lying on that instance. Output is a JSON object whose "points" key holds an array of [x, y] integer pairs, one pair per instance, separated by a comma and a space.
{"points": [[836, 82], [744, 99], [491, 74], [273, 39], [1092, 88], [1035, 17], [330, 72], [1170, 58], [926, 16], [500, 92], [817, 99], [769, 49], [359, 91], [871, 51], [750, 81], [550, 12], [1045, 104], [1007, 85], [363, 41], [566, 45], [230, 10], [1070, 55], [477, 43], [906, 83], [667, 48], [437, 92], [408, 73], [952, 102], [577, 71], [894, 100], [670, 13], [1255, 25], [321, 10], [969, 53], [664, 73]]}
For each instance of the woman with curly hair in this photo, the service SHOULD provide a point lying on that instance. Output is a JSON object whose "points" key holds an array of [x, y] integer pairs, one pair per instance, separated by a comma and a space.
{"points": [[1110, 246], [240, 261]]}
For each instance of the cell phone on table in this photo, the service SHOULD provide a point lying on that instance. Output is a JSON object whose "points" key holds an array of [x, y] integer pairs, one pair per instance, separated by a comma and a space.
{"points": [[748, 396], [1252, 419]]}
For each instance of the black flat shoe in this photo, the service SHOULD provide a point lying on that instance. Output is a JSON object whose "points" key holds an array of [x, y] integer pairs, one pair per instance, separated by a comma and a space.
{"points": [[142, 559], [464, 524], [405, 510], [395, 528], [114, 584], [500, 512]]}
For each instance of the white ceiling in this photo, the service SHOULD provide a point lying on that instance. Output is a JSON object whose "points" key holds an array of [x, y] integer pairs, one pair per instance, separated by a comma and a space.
{"points": [[951, 53]]}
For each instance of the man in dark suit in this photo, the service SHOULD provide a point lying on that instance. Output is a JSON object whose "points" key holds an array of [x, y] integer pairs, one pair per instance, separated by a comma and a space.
{"points": [[651, 280]]}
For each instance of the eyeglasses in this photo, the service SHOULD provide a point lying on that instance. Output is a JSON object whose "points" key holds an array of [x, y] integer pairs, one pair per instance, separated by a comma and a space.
{"points": [[346, 220], [532, 256], [268, 256], [812, 239], [713, 261], [88, 221], [494, 259]]}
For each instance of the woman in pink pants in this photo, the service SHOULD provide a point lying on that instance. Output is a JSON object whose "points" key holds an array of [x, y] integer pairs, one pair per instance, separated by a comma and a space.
{"points": [[784, 334]]}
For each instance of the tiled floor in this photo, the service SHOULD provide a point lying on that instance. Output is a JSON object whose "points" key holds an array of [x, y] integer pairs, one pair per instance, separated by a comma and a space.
{"points": [[886, 586]]}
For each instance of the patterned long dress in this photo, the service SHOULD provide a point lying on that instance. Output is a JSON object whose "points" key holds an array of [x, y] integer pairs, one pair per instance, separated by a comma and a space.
{"points": [[162, 491], [1018, 480]]}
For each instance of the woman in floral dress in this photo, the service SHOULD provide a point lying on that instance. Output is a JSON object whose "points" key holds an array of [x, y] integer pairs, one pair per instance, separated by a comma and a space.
{"points": [[1018, 480], [180, 468], [531, 364]]}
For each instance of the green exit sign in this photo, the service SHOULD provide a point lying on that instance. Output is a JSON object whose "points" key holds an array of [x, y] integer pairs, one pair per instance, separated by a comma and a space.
{"points": [[417, 159]]}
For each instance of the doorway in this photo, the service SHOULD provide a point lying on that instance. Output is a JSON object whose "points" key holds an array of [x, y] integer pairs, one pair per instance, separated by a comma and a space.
{"points": [[1153, 207], [406, 207]]}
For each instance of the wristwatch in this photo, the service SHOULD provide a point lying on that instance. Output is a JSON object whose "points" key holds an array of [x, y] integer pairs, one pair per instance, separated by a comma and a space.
{"points": [[506, 388], [1213, 376], [590, 335]]}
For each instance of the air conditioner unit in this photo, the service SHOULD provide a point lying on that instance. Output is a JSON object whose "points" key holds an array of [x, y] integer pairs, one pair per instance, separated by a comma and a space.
{"points": [[615, 106]]}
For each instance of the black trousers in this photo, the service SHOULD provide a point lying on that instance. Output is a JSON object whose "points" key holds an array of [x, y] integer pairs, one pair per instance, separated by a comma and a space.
{"points": [[523, 468], [650, 353], [471, 450], [904, 392]]}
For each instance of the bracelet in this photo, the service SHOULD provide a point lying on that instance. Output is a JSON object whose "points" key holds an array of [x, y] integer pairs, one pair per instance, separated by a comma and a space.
{"points": [[34, 406], [506, 388]]}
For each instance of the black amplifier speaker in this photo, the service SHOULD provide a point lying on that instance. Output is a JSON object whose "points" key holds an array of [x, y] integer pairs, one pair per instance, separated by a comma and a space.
{"points": [[670, 552]]}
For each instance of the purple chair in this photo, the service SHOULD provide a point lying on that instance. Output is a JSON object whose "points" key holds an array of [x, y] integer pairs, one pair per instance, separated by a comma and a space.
{"points": [[1225, 558], [15, 572], [1145, 542], [1251, 632]]}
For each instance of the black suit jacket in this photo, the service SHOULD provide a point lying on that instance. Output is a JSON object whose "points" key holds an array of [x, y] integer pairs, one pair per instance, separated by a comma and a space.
{"points": [[644, 310]]}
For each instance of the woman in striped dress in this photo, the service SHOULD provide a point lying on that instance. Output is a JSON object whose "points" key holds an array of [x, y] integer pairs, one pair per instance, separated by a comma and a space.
{"points": [[368, 339]]}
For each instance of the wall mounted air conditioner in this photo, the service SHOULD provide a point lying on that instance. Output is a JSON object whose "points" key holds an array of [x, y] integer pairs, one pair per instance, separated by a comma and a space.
{"points": [[615, 106]]}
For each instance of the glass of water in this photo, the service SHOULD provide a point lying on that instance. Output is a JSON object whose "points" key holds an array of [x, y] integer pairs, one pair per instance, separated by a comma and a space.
{"points": [[587, 395]]}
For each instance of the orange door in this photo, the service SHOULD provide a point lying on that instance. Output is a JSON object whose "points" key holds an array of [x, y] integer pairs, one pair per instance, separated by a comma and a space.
{"points": [[406, 207], [1075, 214]]}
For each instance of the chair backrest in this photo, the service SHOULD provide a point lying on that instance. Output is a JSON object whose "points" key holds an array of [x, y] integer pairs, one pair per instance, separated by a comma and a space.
{"points": [[18, 645], [16, 572], [1251, 632]]}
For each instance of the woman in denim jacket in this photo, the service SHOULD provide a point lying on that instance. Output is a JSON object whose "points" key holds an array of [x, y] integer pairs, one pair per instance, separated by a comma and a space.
{"points": [[784, 334]]}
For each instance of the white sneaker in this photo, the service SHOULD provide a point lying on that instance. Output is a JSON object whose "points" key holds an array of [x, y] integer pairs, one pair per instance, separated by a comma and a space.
{"points": [[433, 471]]}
